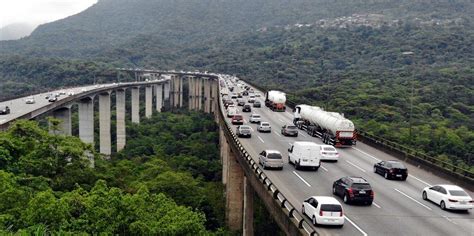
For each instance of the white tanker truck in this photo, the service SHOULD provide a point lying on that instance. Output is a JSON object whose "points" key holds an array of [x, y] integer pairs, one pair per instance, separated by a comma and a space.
{"points": [[331, 127], [275, 100]]}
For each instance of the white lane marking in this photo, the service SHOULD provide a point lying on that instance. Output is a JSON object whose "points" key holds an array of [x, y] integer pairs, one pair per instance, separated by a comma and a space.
{"points": [[447, 218], [375, 158], [324, 168], [290, 143], [281, 120], [304, 181], [356, 166], [356, 226], [302, 134], [377, 205], [277, 133], [404, 194], [260, 139], [420, 180]]}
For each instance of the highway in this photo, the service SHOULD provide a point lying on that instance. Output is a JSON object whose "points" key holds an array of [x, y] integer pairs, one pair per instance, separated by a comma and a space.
{"points": [[398, 207]]}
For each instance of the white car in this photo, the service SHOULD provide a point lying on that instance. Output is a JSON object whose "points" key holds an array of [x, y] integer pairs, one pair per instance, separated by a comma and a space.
{"points": [[255, 118], [323, 210], [30, 100], [448, 197], [264, 127], [328, 153], [70, 93]]}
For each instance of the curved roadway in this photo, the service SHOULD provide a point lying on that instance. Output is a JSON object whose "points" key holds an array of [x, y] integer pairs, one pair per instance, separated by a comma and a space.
{"points": [[398, 208]]}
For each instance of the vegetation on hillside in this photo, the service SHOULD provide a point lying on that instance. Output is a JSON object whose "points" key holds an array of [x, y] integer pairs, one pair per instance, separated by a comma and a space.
{"points": [[165, 182]]}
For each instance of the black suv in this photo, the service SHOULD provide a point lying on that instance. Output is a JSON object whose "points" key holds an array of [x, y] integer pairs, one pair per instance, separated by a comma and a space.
{"points": [[4, 110], [353, 189], [246, 108]]}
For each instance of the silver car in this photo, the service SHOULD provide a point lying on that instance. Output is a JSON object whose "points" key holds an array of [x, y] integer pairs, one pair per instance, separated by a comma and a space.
{"points": [[264, 127], [271, 158]]}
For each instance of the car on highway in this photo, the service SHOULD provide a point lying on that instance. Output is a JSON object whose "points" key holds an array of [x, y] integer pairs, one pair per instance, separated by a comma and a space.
{"points": [[4, 110], [70, 93], [244, 131], [353, 189], [53, 99], [237, 120], [323, 210], [450, 197], [49, 95], [264, 127], [257, 95], [233, 96], [240, 102], [270, 159], [30, 100], [304, 154], [289, 130], [245, 93], [239, 95], [255, 118], [251, 98], [257, 104], [231, 110], [391, 169], [228, 103], [247, 108], [62, 93], [328, 153]]}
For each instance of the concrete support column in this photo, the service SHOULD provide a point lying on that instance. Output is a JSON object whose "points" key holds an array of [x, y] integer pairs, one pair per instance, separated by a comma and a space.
{"points": [[159, 97], [64, 115], [215, 97], [191, 93], [248, 208], [121, 132], [234, 193], [180, 92], [148, 101], [224, 158], [207, 95], [105, 140], [86, 120], [197, 96], [201, 81], [166, 92], [136, 105]]}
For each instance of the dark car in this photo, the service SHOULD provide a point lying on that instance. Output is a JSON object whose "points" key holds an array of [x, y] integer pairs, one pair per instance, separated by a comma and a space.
{"points": [[245, 93], [231, 89], [257, 104], [237, 120], [239, 95], [4, 110], [240, 103], [53, 99], [391, 169], [244, 131], [353, 189], [289, 130], [227, 103], [246, 108]]}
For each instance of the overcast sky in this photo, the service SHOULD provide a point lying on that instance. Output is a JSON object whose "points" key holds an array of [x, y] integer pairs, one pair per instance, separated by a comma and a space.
{"points": [[39, 11]]}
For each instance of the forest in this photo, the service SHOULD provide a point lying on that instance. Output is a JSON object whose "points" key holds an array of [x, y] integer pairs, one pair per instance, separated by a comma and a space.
{"points": [[165, 182]]}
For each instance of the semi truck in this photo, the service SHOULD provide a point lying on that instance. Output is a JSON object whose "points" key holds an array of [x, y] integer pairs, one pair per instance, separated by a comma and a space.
{"points": [[275, 100], [333, 128]]}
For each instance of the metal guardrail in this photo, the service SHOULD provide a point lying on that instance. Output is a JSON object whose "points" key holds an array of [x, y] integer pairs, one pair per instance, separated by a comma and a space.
{"points": [[292, 212], [401, 150]]}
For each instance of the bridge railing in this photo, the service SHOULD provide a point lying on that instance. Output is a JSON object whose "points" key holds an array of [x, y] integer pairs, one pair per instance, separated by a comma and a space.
{"points": [[290, 210], [464, 176]]}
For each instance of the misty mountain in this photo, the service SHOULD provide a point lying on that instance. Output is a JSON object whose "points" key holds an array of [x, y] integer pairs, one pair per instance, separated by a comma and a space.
{"points": [[179, 22], [15, 31]]}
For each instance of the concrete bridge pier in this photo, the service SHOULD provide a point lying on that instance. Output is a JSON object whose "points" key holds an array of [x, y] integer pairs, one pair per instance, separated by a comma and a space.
{"points": [[120, 105], [200, 98], [234, 191], [136, 105], [191, 93], [105, 139], [248, 208], [159, 97], [64, 115], [207, 95], [214, 97], [148, 101], [180, 92], [86, 120]]}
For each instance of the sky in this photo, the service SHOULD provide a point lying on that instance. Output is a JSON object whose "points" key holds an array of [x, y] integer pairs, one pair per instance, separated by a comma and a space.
{"points": [[37, 12]]}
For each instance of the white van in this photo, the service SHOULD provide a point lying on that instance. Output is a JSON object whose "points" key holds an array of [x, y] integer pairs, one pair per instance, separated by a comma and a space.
{"points": [[304, 154], [231, 111]]}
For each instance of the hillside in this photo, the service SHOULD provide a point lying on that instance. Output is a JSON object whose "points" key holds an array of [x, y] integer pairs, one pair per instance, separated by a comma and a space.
{"points": [[343, 55], [178, 22]]}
